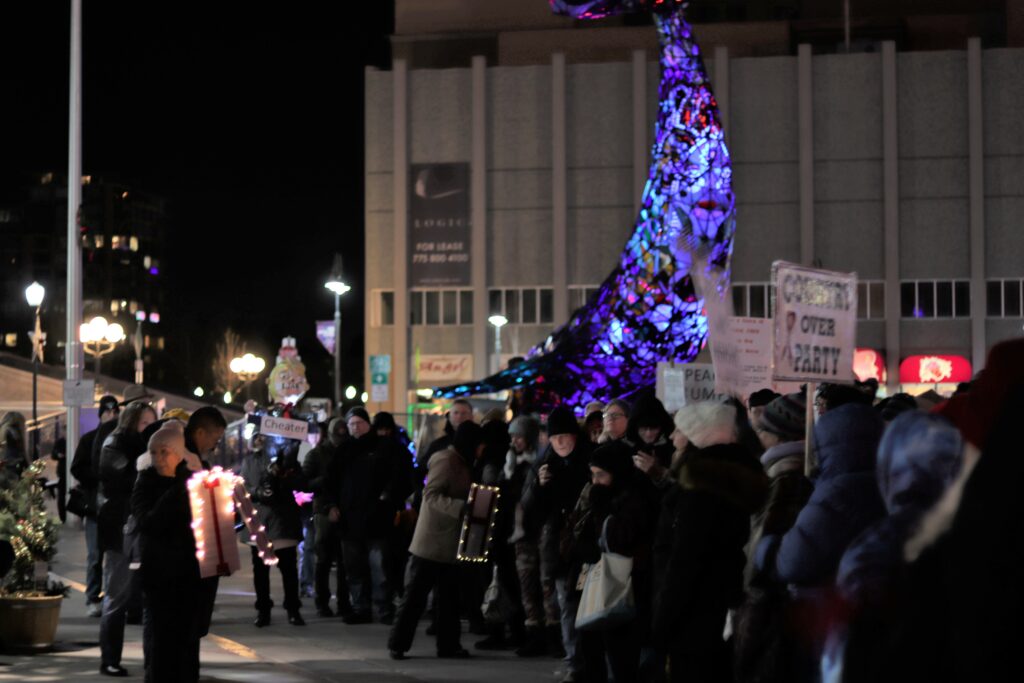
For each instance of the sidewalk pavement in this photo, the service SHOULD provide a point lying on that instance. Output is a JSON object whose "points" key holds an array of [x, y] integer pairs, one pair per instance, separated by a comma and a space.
{"points": [[235, 650]]}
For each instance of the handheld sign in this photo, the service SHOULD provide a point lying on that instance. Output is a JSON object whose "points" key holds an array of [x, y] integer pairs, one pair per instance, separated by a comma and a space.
{"points": [[815, 324]]}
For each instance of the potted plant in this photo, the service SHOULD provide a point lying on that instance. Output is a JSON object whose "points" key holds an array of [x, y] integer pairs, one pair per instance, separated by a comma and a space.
{"points": [[29, 601]]}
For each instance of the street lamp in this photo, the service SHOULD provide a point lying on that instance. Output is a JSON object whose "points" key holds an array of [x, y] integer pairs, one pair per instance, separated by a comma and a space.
{"points": [[336, 284], [34, 295], [499, 321], [248, 367], [100, 338]]}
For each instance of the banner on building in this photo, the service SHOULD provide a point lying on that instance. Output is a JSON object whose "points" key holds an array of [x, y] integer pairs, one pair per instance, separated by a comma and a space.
{"points": [[444, 368], [815, 324], [439, 225]]}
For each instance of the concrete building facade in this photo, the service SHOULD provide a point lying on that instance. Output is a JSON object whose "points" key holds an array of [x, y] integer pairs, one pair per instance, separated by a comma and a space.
{"points": [[905, 167]]}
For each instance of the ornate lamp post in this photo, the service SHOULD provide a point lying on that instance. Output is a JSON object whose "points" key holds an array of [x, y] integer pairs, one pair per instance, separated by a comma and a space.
{"points": [[336, 284], [34, 295], [499, 321], [248, 367], [100, 338]]}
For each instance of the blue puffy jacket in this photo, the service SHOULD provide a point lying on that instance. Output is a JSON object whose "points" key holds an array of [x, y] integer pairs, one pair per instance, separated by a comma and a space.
{"points": [[845, 501]]}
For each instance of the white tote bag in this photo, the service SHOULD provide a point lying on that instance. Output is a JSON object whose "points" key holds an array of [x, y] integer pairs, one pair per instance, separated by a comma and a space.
{"points": [[607, 599]]}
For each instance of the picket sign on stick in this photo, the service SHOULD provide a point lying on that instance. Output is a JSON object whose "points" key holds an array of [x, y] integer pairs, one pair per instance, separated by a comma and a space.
{"points": [[810, 463]]}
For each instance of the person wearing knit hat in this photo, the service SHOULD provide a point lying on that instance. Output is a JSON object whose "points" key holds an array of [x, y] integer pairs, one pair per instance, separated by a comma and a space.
{"points": [[562, 421], [707, 423], [434, 547], [785, 418], [358, 412], [757, 402], [615, 459]]}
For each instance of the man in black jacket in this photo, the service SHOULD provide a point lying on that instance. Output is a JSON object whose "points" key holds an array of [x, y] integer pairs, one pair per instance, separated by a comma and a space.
{"points": [[316, 468], [367, 488], [82, 470]]}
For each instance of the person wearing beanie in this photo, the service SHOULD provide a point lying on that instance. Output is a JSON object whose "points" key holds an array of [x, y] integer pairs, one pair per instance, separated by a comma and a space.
{"points": [[435, 543], [169, 571], [707, 423], [756, 403], [760, 636], [648, 430], [550, 493], [702, 529], [88, 481], [620, 509], [366, 488]]}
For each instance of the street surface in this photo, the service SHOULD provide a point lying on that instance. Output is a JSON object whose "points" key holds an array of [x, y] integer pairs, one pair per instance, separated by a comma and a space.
{"points": [[324, 650]]}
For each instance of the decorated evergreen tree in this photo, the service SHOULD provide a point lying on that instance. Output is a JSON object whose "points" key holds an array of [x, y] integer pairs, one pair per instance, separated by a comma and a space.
{"points": [[32, 533]]}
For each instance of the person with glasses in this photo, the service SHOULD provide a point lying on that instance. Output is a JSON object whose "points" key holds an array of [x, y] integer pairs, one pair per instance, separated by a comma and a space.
{"points": [[616, 420]]}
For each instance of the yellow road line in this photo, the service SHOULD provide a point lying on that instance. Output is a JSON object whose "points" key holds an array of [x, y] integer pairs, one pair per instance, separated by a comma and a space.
{"points": [[234, 648]]}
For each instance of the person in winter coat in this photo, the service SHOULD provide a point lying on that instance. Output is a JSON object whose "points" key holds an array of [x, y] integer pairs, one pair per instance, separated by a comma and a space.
{"points": [[461, 411], [272, 475], [762, 636], [316, 468], [550, 493], [82, 470], [845, 501], [919, 458], [620, 519], [616, 420], [367, 489], [169, 571], [700, 555], [117, 477], [649, 430], [435, 546]]}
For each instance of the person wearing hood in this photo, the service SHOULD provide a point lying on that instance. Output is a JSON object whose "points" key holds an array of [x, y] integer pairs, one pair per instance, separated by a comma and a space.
{"points": [[117, 471], [845, 501], [649, 430], [272, 475], [367, 489], [316, 468], [169, 571], [620, 518], [435, 544], [763, 639], [919, 458], [550, 493]]}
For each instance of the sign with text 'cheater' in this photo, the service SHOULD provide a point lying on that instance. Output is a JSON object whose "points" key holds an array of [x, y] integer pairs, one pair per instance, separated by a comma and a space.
{"points": [[815, 324], [284, 426]]}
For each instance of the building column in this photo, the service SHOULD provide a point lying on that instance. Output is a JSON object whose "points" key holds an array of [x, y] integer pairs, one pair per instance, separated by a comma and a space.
{"points": [[976, 182], [559, 189], [891, 213], [400, 201], [640, 125], [805, 107], [478, 209], [720, 85]]}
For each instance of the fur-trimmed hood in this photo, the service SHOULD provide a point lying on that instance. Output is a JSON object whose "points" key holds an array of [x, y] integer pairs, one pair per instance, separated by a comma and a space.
{"points": [[727, 471]]}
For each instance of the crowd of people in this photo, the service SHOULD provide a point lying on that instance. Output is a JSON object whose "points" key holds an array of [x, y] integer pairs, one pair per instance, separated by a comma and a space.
{"points": [[877, 550]]}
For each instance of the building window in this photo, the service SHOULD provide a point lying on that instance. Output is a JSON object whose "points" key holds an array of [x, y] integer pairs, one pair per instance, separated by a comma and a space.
{"points": [[935, 299], [11, 339], [579, 295], [133, 243], [753, 299], [1004, 298], [523, 305], [871, 300], [382, 309], [430, 307]]}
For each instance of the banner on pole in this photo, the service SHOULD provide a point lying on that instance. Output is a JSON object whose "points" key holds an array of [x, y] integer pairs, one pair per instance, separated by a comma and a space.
{"points": [[326, 334], [815, 324]]}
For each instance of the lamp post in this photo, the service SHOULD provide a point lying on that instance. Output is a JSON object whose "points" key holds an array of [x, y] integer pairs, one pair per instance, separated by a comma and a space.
{"points": [[499, 321], [336, 284], [34, 295], [100, 338], [248, 368]]}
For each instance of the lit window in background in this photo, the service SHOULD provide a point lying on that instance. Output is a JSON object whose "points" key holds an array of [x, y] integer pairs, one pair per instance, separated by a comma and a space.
{"points": [[160, 343], [154, 317], [146, 261], [145, 341], [133, 306], [86, 179], [133, 243], [124, 195], [46, 179], [99, 241], [11, 338], [115, 242], [140, 315], [124, 304], [113, 307]]}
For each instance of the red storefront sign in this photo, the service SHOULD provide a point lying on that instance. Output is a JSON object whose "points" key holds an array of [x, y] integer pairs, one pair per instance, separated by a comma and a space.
{"points": [[934, 369]]}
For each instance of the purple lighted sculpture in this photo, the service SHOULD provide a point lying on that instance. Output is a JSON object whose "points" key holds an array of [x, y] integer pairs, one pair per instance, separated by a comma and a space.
{"points": [[647, 310]]}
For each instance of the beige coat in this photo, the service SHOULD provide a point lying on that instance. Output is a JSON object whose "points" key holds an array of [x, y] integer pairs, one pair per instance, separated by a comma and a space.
{"points": [[444, 497]]}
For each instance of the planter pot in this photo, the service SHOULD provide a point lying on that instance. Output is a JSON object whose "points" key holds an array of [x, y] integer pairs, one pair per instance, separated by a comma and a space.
{"points": [[29, 624]]}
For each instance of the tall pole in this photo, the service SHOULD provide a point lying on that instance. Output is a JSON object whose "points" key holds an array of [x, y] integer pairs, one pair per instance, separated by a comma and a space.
{"points": [[846, 25], [36, 347], [72, 348], [497, 348], [337, 351]]}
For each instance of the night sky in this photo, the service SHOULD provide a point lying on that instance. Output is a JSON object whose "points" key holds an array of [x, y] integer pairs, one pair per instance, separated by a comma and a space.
{"points": [[246, 117]]}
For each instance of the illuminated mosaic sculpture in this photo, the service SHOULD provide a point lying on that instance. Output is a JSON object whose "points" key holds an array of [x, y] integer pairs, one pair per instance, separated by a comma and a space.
{"points": [[648, 309]]}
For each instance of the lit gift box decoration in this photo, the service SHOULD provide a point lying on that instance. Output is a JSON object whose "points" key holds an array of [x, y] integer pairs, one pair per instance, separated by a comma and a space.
{"points": [[478, 524], [214, 495]]}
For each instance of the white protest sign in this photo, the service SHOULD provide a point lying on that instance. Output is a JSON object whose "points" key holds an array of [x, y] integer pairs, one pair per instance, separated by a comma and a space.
{"points": [[80, 392], [743, 356], [284, 426], [681, 384], [815, 324]]}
